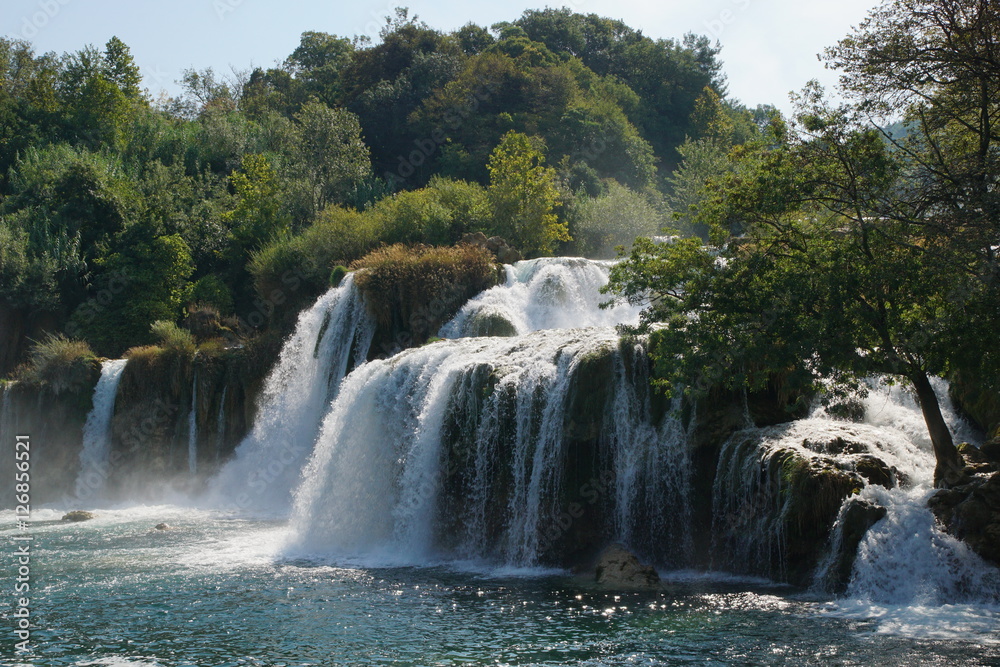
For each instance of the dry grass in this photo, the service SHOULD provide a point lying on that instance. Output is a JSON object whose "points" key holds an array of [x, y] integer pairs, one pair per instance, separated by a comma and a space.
{"points": [[400, 278], [60, 363]]}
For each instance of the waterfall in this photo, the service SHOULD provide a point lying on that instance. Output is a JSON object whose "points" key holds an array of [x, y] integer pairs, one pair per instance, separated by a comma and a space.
{"points": [[328, 338], [193, 428], [904, 558], [459, 449], [651, 465], [95, 453], [220, 424], [545, 293], [5, 410]]}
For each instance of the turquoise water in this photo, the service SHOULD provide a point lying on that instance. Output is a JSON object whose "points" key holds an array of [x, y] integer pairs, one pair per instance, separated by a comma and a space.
{"points": [[215, 590]]}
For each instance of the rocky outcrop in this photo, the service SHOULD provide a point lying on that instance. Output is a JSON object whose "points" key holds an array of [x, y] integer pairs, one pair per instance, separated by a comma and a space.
{"points": [[857, 516], [778, 493], [619, 568], [52, 421], [971, 512], [502, 250], [78, 515], [412, 291]]}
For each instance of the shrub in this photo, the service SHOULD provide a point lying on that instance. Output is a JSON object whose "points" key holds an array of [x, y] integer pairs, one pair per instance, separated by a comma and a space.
{"points": [[616, 219], [210, 290], [60, 363], [415, 216], [399, 281], [298, 269], [337, 275], [172, 338]]}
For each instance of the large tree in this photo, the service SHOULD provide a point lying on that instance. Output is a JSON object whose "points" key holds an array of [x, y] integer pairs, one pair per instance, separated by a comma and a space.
{"points": [[846, 252]]}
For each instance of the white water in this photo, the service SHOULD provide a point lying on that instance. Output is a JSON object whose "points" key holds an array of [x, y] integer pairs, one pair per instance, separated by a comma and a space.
{"points": [[193, 428], [220, 424], [545, 293], [96, 450], [329, 337], [486, 416], [905, 562]]}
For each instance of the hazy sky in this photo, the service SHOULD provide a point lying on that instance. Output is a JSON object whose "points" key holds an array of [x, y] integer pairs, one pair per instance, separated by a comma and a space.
{"points": [[769, 46]]}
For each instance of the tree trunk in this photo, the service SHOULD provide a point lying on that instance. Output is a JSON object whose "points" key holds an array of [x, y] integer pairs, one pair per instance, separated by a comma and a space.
{"points": [[949, 468]]}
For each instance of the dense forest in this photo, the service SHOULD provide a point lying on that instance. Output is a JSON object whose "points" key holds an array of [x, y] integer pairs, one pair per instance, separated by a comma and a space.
{"points": [[558, 132]]}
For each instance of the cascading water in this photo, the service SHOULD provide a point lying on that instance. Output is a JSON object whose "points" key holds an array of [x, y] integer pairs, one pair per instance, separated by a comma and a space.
{"points": [[94, 455], [904, 558], [545, 293], [458, 449], [193, 428], [329, 337], [648, 503], [220, 424], [5, 410]]}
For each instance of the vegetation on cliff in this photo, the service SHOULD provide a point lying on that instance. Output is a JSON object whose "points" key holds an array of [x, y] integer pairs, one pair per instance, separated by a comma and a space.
{"points": [[841, 250], [117, 210]]}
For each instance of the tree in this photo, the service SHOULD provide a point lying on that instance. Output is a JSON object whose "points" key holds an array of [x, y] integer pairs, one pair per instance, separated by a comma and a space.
{"points": [[330, 153], [602, 224], [258, 216], [828, 279], [150, 277], [523, 196]]}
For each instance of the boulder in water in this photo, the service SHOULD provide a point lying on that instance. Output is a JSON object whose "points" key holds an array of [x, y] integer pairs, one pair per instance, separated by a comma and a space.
{"points": [[79, 515], [856, 518], [164, 526], [971, 512], [620, 568]]}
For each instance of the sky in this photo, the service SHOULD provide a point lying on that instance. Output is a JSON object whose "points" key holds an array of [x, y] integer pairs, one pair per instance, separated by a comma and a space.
{"points": [[769, 47]]}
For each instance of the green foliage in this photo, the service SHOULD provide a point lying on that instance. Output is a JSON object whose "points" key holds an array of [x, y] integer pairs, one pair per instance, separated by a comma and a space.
{"points": [[212, 291], [523, 196], [172, 338], [337, 275], [151, 277], [330, 153], [60, 363], [300, 267], [602, 224], [258, 216]]}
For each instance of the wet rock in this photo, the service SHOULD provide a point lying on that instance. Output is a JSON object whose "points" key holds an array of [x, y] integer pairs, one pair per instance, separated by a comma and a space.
{"points": [[971, 512], [164, 526], [619, 568], [79, 515], [492, 324], [856, 518], [991, 451], [875, 471]]}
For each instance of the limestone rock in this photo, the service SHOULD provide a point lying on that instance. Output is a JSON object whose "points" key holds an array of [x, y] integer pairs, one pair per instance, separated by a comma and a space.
{"points": [[971, 512], [79, 515], [856, 518], [619, 568]]}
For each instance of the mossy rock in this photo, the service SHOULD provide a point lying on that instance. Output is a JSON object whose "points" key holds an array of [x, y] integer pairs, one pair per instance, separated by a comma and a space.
{"points": [[492, 324], [79, 515]]}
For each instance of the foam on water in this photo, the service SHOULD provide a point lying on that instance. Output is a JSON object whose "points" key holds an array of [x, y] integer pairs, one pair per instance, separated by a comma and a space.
{"points": [[545, 293]]}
